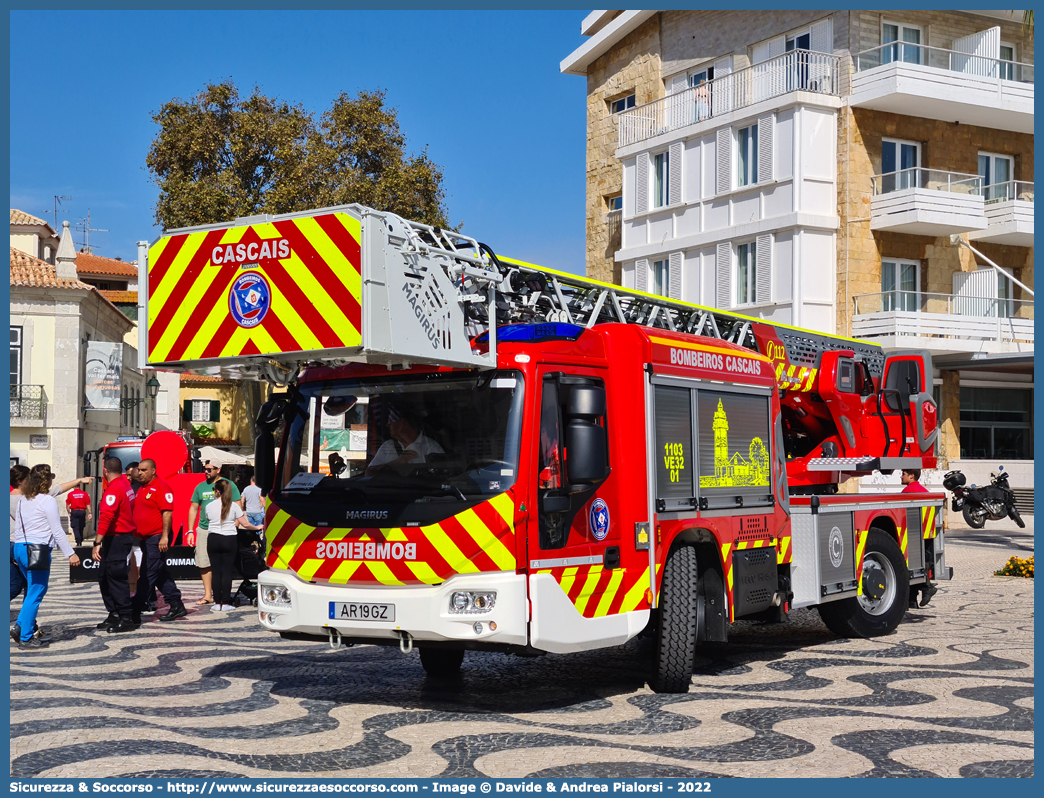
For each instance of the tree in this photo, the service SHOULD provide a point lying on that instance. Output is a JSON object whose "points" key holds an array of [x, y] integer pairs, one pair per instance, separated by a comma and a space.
{"points": [[218, 156]]}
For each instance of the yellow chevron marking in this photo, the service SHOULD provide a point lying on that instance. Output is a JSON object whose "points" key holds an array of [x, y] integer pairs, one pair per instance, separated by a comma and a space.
{"points": [[929, 523], [610, 592], [568, 577], [725, 552], [742, 544], [633, 597], [423, 572], [448, 550], [779, 371], [259, 335], [296, 539], [308, 282], [345, 571], [382, 573], [588, 589], [503, 504], [729, 579], [274, 526], [860, 547], [308, 568], [174, 273], [781, 552], [487, 541]]}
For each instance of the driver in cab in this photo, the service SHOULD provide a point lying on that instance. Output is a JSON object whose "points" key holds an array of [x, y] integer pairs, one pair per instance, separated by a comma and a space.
{"points": [[407, 446]]}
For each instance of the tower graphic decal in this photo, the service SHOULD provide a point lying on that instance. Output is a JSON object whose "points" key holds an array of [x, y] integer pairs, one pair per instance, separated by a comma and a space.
{"points": [[733, 470]]}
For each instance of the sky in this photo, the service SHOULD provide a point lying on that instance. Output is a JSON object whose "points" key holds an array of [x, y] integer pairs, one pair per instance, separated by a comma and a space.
{"points": [[481, 90]]}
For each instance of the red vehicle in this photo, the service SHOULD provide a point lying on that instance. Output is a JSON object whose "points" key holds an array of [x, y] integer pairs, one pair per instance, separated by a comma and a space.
{"points": [[583, 468]]}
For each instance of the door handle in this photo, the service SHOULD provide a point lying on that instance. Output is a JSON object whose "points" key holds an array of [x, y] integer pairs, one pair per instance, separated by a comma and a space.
{"points": [[612, 558]]}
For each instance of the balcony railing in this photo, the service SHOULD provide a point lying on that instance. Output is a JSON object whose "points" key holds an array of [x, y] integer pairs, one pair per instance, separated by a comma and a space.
{"points": [[798, 70], [1012, 190], [947, 316], [938, 58], [28, 402], [918, 177], [613, 221]]}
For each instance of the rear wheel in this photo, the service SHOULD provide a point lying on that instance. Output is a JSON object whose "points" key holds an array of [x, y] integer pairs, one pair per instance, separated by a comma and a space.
{"points": [[975, 518], [886, 592], [676, 638], [442, 662]]}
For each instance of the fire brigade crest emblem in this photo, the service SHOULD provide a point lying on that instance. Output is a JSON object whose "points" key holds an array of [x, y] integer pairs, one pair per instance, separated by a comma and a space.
{"points": [[249, 299], [599, 519]]}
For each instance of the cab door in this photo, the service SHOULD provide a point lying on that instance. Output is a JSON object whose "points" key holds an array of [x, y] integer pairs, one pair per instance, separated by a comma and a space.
{"points": [[906, 404], [574, 557]]}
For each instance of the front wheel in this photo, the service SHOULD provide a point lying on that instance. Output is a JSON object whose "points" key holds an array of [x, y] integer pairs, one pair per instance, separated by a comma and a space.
{"points": [[886, 591], [1013, 514], [442, 662], [974, 517], [676, 637]]}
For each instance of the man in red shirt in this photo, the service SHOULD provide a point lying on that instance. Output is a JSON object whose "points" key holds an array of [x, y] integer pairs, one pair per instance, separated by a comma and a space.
{"points": [[153, 518], [112, 548], [910, 479], [78, 503]]}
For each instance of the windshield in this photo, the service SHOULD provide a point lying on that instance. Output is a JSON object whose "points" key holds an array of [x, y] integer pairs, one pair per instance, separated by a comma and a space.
{"points": [[127, 454], [400, 450]]}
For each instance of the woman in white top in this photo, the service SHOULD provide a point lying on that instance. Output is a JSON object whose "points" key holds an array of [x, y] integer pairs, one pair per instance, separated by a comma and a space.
{"points": [[36, 521], [223, 517]]}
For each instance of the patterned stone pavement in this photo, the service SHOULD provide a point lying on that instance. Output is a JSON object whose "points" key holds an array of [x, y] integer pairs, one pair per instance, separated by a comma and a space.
{"points": [[949, 694]]}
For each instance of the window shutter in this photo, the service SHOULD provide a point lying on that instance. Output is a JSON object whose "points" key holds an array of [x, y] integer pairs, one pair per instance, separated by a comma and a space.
{"points": [[777, 46], [215, 410], [721, 95], [674, 188], [724, 160], [822, 36], [677, 83], [723, 273], [186, 413], [641, 183], [766, 126], [759, 52], [763, 270], [641, 275], [674, 277]]}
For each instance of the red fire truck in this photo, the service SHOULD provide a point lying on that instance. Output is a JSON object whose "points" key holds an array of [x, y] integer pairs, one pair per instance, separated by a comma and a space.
{"points": [[475, 453]]}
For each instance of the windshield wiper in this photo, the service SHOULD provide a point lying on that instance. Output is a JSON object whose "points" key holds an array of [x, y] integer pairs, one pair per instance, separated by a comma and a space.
{"points": [[445, 491]]}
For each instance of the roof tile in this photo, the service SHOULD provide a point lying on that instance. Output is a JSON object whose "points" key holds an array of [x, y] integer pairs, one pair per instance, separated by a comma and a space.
{"points": [[95, 264], [32, 272], [121, 297], [21, 217]]}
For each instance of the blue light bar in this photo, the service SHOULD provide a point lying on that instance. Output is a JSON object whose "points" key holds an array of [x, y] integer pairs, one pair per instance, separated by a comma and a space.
{"points": [[552, 331]]}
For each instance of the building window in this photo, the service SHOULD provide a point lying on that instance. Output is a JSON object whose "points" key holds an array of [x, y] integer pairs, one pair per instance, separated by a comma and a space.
{"points": [[996, 172], [202, 411], [996, 424], [1007, 66], [900, 285], [661, 178], [617, 106], [16, 355], [137, 407], [747, 156], [905, 41], [660, 279], [614, 203], [900, 162], [746, 281]]}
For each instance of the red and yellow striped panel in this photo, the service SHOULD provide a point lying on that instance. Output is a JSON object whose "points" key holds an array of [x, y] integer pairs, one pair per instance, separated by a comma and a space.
{"points": [[902, 546], [311, 269], [860, 548], [928, 522], [596, 591], [480, 539], [795, 379]]}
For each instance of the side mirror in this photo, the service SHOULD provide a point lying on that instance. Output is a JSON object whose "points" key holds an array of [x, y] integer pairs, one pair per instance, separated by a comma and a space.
{"points": [[586, 452], [270, 414], [555, 504], [264, 462], [586, 401], [87, 465]]}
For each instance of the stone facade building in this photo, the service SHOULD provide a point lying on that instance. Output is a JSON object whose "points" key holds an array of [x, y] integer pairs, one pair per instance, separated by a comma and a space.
{"points": [[810, 168]]}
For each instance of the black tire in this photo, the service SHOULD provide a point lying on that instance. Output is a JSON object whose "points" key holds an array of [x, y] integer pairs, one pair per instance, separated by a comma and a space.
{"points": [[442, 662], [975, 521], [860, 616], [1014, 515], [676, 638]]}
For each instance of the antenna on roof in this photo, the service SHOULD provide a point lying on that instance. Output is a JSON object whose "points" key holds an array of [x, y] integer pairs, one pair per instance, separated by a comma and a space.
{"points": [[85, 227], [57, 201]]}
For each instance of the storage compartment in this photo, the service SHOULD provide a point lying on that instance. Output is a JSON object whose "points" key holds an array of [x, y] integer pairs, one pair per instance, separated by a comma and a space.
{"points": [[754, 579]]}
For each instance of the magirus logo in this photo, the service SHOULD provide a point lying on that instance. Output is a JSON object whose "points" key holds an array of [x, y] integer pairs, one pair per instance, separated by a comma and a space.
{"points": [[367, 515]]}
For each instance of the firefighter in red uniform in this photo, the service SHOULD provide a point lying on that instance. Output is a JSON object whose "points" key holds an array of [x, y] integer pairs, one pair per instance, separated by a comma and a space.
{"points": [[78, 502], [153, 518], [112, 548]]}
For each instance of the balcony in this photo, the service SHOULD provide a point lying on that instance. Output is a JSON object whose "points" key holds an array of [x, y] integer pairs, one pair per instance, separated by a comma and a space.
{"points": [[944, 322], [28, 405], [927, 202], [1009, 214], [798, 70], [933, 83]]}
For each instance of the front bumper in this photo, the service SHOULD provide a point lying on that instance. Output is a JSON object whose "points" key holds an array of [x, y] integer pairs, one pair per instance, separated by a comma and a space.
{"points": [[421, 610]]}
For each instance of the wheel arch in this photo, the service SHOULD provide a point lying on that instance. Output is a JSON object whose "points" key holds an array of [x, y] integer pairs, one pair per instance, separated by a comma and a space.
{"points": [[714, 618], [886, 524]]}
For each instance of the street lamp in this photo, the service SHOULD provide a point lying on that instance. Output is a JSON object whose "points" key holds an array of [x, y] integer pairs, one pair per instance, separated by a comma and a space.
{"points": [[152, 387]]}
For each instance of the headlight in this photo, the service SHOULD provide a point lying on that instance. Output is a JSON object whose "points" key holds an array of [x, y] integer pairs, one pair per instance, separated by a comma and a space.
{"points": [[467, 602], [275, 596]]}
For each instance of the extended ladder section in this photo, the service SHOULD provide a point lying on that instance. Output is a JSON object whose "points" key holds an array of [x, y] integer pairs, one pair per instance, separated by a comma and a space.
{"points": [[268, 294]]}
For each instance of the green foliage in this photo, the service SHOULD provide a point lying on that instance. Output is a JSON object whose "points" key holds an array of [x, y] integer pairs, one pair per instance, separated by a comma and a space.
{"points": [[202, 431], [1016, 566], [218, 156]]}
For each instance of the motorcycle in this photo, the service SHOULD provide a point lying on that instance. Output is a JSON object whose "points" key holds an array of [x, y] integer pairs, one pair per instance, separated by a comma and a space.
{"points": [[981, 504]]}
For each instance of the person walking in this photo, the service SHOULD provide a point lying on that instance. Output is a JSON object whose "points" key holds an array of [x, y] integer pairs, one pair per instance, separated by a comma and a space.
{"points": [[201, 497], [153, 518], [254, 504], [38, 524], [223, 517], [113, 545], [132, 476], [78, 503]]}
